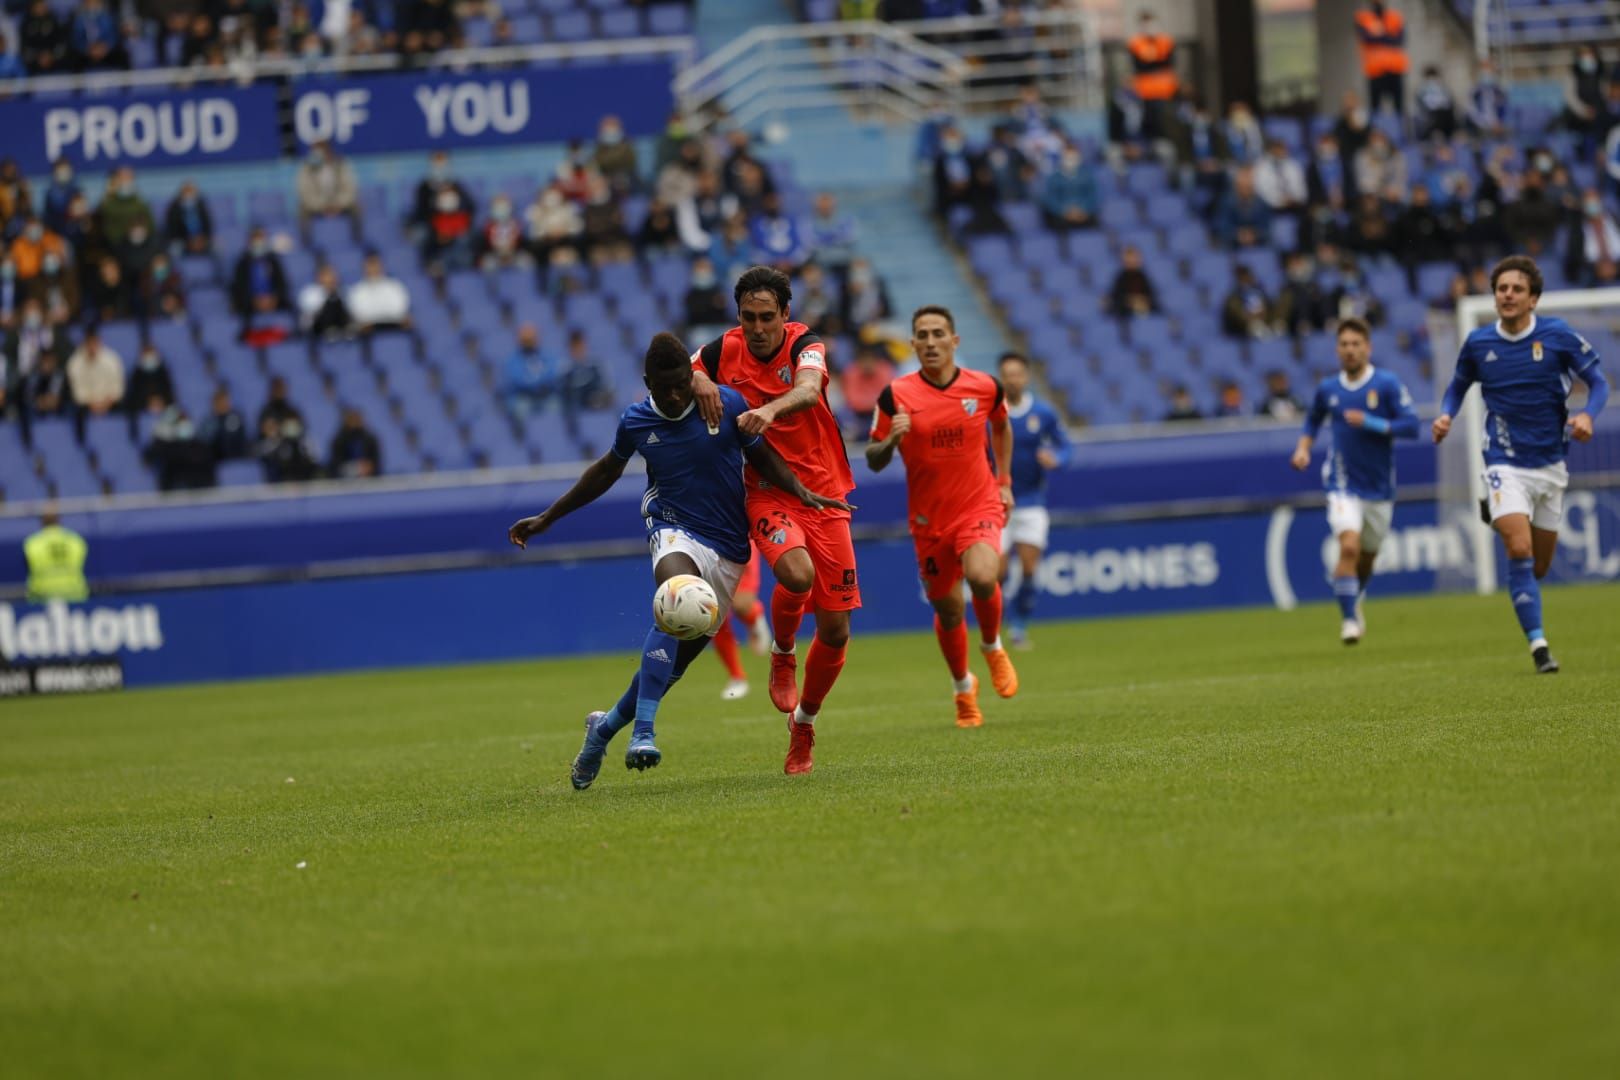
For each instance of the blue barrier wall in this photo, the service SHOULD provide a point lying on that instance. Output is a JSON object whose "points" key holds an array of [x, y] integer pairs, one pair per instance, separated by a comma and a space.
{"points": [[602, 605]]}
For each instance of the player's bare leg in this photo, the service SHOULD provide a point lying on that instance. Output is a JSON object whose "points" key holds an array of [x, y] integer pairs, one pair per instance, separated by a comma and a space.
{"points": [[980, 562], [1529, 555], [747, 608], [1364, 573], [1347, 586], [950, 627], [795, 577], [821, 669]]}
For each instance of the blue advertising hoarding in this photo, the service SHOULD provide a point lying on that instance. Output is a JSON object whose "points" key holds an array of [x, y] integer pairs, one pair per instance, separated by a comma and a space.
{"points": [[602, 605], [360, 115]]}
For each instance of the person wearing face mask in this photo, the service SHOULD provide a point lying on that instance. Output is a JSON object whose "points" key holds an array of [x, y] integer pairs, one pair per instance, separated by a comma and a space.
{"points": [[553, 221], [34, 241], [122, 208], [182, 460], [12, 293], [58, 195], [151, 386], [439, 178], [1488, 104], [1597, 239], [1583, 96], [21, 347], [96, 375], [258, 284], [658, 235], [1350, 133], [135, 255], [56, 287], [188, 222], [501, 242], [1153, 67], [1069, 199], [953, 172], [707, 305], [161, 290], [449, 241], [866, 297], [1381, 31], [327, 187], [1436, 111], [615, 156]]}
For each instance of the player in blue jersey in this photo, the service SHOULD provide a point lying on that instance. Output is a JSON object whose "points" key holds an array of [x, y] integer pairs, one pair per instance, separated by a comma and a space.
{"points": [[1370, 410], [696, 524], [1525, 366], [1040, 444]]}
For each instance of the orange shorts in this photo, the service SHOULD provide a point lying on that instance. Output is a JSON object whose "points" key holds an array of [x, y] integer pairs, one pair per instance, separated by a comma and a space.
{"points": [[749, 582], [939, 554], [781, 524]]}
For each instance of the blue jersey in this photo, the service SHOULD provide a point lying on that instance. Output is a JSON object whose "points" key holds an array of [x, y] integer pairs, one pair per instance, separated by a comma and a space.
{"points": [[694, 479], [1361, 461], [1035, 426], [1525, 380]]}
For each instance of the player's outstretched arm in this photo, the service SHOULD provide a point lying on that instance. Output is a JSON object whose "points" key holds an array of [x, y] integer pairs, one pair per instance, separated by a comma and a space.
{"points": [[1059, 450], [1301, 458], [1451, 403], [806, 392], [1597, 395], [769, 464], [601, 475]]}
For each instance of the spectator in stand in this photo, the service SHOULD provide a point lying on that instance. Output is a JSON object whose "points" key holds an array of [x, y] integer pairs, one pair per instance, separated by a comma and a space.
{"points": [[1596, 243], [1182, 405], [122, 209], [258, 284], [1353, 298], [161, 291], [1369, 231], [59, 193], [677, 176], [355, 451], [1436, 110], [1533, 219], [1069, 198], [224, 430], [832, 236], [1584, 111], [530, 377], [816, 301], [953, 172], [187, 223], [1302, 306], [23, 343], [734, 251], [1380, 169], [428, 26], [57, 289], [1488, 104], [866, 297], [1244, 139], [1351, 132], [322, 310], [377, 301], [151, 385], [96, 374], [46, 392], [136, 253], [107, 296], [1229, 400], [34, 241], [1242, 220], [1200, 153], [11, 64], [1247, 311], [16, 199], [1132, 292], [658, 235], [277, 408], [742, 174], [285, 453], [984, 207], [583, 384], [501, 242], [42, 41], [860, 384], [553, 221], [1009, 164], [703, 216], [1280, 402], [775, 235], [1279, 180], [1423, 236], [12, 292], [94, 39], [606, 238], [615, 157], [707, 303], [443, 214], [80, 234], [182, 460], [327, 187], [1327, 181]]}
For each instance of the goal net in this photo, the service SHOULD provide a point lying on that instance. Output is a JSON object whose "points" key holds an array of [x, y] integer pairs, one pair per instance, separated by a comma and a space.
{"points": [[1592, 504]]}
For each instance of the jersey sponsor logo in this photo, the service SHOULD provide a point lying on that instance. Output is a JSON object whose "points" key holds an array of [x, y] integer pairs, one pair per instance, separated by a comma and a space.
{"points": [[949, 438], [1535, 351], [970, 406], [652, 440], [61, 632]]}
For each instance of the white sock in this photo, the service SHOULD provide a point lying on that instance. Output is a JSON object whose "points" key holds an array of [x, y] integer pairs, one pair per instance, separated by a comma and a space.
{"points": [[991, 646], [964, 684], [784, 652], [802, 717], [1539, 643]]}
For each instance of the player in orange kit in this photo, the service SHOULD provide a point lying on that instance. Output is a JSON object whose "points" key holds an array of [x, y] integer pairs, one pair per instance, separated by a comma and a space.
{"points": [[946, 421], [780, 368]]}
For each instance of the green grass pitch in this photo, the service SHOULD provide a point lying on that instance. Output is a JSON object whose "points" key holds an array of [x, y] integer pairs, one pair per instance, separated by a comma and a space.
{"points": [[1211, 845]]}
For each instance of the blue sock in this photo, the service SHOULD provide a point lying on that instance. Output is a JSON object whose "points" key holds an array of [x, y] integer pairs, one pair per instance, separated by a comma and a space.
{"points": [[1526, 593], [1024, 601], [1346, 589], [657, 670], [618, 718]]}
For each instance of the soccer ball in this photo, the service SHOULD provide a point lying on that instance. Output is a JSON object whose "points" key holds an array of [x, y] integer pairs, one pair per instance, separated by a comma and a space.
{"points": [[685, 607]]}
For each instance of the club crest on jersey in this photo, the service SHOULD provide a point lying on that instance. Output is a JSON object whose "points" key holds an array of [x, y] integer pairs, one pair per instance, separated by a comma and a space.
{"points": [[785, 374], [1535, 351], [1372, 399], [970, 405], [1033, 425]]}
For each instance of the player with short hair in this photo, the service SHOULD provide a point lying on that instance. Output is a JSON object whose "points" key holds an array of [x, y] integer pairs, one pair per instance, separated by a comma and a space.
{"points": [[1523, 364], [1370, 410], [946, 421], [696, 524], [780, 368], [1040, 444]]}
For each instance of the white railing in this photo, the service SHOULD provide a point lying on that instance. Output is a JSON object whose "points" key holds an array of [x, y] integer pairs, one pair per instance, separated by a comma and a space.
{"points": [[897, 71], [1532, 41], [246, 72]]}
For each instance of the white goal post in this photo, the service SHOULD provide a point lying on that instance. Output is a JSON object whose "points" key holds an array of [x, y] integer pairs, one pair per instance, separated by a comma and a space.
{"points": [[1460, 473]]}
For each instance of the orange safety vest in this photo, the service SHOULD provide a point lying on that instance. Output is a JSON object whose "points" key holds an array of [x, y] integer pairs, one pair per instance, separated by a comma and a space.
{"points": [[1378, 55], [1153, 57]]}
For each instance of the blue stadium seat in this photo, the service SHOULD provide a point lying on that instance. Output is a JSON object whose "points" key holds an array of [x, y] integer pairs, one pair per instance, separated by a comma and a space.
{"points": [[620, 23], [571, 26], [245, 473], [669, 20]]}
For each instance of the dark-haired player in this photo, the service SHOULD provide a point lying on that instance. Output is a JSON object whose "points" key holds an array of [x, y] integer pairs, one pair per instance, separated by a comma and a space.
{"points": [[780, 369], [1523, 364], [1039, 445], [695, 522], [946, 421]]}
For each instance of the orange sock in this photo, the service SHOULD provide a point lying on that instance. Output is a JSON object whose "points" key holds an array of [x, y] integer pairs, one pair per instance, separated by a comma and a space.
{"points": [[988, 611], [821, 668], [725, 647], [953, 643], [787, 612]]}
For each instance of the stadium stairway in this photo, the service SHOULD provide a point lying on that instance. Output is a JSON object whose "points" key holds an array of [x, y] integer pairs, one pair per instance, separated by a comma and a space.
{"points": [[719, 21]]}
